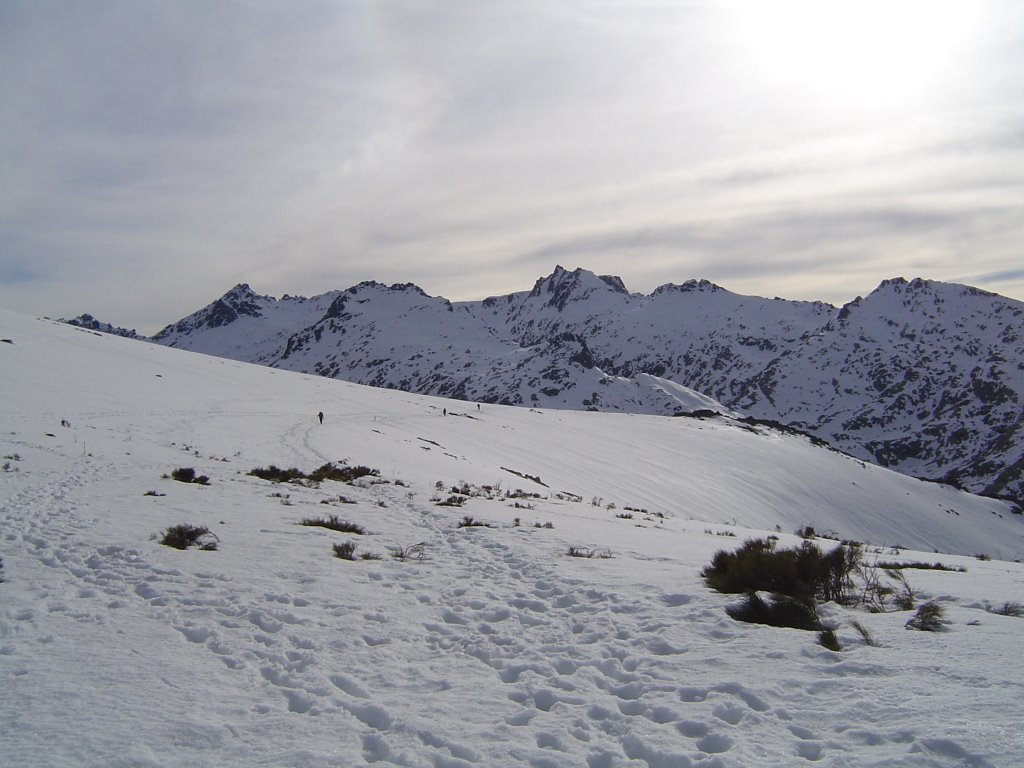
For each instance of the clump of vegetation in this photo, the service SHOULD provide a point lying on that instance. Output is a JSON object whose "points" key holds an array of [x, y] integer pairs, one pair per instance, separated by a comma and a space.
{"points": [[345, 550], [469, 522], [548, 525], [869, 639], [334, 523], [1006, 609], [782, 611], [802, 572], [341, 473], [412, 552], [896, 566], [1, 571], [277, 475], [188, 475], [928, 618], [184, 536], [589, 552], [625, 515], [827, 639], [452, 501], [153, 493]]}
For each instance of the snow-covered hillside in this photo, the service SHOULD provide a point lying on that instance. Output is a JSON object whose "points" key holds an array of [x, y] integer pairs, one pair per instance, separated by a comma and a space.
{"points": [[496, 648], [923, 377]]}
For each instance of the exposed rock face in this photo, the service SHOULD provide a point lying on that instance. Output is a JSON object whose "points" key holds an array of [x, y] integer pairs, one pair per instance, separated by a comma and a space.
{"points": [[90, 323]]}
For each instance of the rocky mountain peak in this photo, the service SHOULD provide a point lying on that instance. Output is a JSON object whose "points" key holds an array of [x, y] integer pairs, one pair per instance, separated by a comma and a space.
{"points": [[562, 287]]}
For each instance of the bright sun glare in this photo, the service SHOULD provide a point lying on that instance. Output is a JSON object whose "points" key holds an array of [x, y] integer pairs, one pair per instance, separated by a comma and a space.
{"points": [[863, 52]]}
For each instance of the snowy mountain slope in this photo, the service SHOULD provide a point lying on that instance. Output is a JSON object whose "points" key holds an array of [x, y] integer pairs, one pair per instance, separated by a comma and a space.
{"points": [[923, 377], [927, 377], [497, 649], [242, 325]]}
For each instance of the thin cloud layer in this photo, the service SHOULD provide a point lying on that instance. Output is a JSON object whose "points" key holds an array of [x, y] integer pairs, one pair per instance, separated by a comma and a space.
{"points": [[154, 155]]}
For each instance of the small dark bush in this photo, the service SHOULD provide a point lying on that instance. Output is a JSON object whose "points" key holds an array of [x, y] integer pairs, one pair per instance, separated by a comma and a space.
{"points": [[278, 475], [345, 550], [625, 515], [188, 475], [184, 536], [589, 552], [342, 473], [783, 611], [928, 618], [153, 493], [983, 557], [1007, 609], [328, 471], [370, 556], [469, 522], [334, 523], [452, 501], [895, 566], [1, 571], [827, 639]]}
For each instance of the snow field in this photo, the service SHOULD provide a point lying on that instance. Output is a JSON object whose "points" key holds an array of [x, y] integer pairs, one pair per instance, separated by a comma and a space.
{"points": [[496, 648]]}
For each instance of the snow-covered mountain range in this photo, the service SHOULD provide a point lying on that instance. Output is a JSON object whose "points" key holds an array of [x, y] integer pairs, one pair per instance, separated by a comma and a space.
{"points": [[920, 376]]}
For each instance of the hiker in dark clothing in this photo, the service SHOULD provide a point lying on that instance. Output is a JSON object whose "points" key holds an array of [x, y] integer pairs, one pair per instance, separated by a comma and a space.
{"points": [[321, 417]]}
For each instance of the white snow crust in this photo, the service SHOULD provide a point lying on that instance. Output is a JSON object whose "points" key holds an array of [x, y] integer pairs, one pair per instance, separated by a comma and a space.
{"points": [[495, 648]]}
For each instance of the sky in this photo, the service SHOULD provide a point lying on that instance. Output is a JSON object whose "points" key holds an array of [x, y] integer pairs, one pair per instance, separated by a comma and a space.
{"points": [[154, 154]]}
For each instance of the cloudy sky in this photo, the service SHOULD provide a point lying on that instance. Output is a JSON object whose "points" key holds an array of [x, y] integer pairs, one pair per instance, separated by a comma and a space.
{"points": [[153, 153]]}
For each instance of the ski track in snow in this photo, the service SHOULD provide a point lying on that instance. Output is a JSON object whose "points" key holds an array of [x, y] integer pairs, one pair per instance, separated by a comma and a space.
{"points": [[495, 649]]}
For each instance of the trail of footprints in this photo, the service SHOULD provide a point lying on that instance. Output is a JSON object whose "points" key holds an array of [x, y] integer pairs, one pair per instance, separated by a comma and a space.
{"points": [[555, 647]]}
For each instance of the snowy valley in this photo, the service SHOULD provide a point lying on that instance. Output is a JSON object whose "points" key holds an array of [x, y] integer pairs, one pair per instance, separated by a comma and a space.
{"points": [[456, 644]]}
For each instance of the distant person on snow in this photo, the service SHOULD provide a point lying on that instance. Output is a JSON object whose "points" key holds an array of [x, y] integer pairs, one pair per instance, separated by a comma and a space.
{"points": [[321, 417]]}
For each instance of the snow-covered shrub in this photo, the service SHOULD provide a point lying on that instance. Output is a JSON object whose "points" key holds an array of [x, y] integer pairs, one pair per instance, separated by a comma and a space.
{"points": [[928, 618], [184, 536]]}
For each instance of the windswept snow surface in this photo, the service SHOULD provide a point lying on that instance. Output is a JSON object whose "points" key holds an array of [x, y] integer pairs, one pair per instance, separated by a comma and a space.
{"points": [[496, 648]]}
